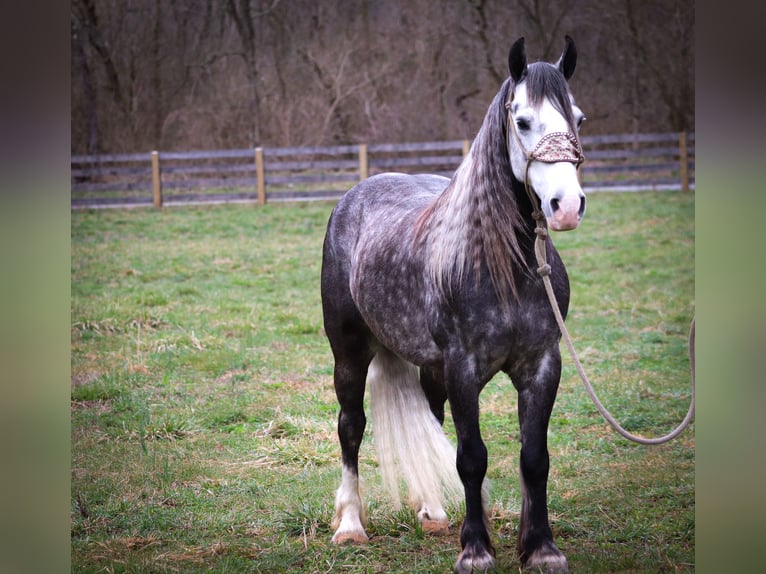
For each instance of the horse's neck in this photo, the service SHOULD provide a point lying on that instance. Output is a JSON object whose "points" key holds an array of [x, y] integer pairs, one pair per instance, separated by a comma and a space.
{"points": [[483, 195], [475, 222], [523, 205]]}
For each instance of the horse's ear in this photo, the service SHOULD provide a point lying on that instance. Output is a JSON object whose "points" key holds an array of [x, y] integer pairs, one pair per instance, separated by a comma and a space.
{"points": [[568, 59], [517, 60]]}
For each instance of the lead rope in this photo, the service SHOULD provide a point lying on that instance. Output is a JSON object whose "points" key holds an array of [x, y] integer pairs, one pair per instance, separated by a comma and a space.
{"points": [[544, 271], [574, 154]]}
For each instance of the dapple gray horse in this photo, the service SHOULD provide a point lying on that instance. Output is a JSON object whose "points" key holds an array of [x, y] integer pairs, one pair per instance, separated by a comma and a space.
{"points": [[429, 289]]}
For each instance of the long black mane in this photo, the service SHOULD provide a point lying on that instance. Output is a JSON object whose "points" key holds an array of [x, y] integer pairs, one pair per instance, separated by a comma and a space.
{"points": [[479, 219], [543, 81]]}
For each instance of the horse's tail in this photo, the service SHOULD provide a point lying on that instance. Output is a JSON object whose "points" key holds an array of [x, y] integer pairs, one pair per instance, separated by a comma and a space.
{"points": [[410, 441]]}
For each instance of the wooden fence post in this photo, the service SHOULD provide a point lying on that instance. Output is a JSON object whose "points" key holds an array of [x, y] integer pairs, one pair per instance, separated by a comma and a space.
{"points": [[466, 147], [363, 165], [684, 153], [156, 181], [260, 179]]}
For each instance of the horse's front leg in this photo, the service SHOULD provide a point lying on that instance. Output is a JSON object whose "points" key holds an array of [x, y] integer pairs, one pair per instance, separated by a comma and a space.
{"points": [[537, 393], [463, 392]]}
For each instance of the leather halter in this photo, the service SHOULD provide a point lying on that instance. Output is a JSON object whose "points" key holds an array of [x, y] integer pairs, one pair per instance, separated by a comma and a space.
{"points": [[552, 148]]}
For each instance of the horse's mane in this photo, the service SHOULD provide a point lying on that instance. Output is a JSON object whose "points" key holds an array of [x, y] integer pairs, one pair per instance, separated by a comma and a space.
{"points": [[477, 218], [545, 81]]}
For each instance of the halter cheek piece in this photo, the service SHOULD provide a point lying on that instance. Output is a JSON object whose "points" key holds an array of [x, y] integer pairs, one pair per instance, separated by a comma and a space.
{"points": [[552, 148]]}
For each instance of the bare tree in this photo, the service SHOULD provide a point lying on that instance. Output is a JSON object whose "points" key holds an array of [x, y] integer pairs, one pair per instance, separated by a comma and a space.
{"points": [[670, 70], [180, 74], [546, 19], [156, 99], [83, 68], [338, 79], [481, 27], [245, 18], [87, 36]]}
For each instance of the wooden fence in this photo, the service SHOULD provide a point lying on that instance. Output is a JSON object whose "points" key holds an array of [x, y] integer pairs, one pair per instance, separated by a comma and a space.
{"points": [[613, 162]]}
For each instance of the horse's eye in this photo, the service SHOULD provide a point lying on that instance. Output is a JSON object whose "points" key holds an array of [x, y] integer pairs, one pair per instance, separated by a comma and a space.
{"points": [[580, 121], [522, 124]]}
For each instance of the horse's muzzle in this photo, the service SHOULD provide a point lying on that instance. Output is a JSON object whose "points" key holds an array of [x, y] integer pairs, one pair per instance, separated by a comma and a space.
{"points": [[566, 212]]}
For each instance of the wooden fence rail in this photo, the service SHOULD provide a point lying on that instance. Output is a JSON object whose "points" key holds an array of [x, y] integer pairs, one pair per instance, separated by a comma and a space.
{"points": [[624, 162]]}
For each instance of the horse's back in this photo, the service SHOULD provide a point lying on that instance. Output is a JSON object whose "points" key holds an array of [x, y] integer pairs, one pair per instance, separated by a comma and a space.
{"points": [[395, 186], [376, 200]]}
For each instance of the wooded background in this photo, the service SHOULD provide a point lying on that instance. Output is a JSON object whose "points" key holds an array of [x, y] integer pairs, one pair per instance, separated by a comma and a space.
{"points": [[204, 74]]}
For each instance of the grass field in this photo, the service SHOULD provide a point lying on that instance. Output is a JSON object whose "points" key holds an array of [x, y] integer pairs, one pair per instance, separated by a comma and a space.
{"points": [[203, 414]]}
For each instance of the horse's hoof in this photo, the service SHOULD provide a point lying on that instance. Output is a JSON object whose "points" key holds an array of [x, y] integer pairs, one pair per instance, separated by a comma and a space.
{"points": [[435, 527], [547, 559], [350, 537], [471, 561]]}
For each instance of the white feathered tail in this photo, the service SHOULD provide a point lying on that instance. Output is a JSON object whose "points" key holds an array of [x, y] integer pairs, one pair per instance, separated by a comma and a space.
{"points": [[410, 442]]}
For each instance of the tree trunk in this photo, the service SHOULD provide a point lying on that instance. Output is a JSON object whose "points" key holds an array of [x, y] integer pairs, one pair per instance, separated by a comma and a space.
{"points": [[88, 89]]}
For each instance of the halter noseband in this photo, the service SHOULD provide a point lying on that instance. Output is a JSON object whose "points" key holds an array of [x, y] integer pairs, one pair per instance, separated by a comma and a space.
{"points": [[552, 148]]}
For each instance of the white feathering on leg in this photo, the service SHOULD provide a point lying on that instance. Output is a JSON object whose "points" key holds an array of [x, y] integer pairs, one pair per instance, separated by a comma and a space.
{"points": [[349, 518]]}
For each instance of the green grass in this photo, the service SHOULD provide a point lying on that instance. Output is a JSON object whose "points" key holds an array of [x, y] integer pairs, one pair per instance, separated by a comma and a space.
{"points": [[203, 414]]}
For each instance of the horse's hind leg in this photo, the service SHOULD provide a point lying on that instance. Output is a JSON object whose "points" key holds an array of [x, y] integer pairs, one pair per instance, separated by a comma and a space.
{"points": [[350, 342], [537, 392], [432, 382], [431, 514], [349, 518]]}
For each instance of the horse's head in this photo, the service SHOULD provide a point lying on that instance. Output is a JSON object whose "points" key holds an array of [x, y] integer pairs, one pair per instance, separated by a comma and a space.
{"points": [[543, 143]]}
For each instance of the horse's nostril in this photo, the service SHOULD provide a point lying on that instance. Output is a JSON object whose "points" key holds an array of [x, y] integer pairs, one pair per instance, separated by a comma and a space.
{"points": [[555, 204], [581, 211]]}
